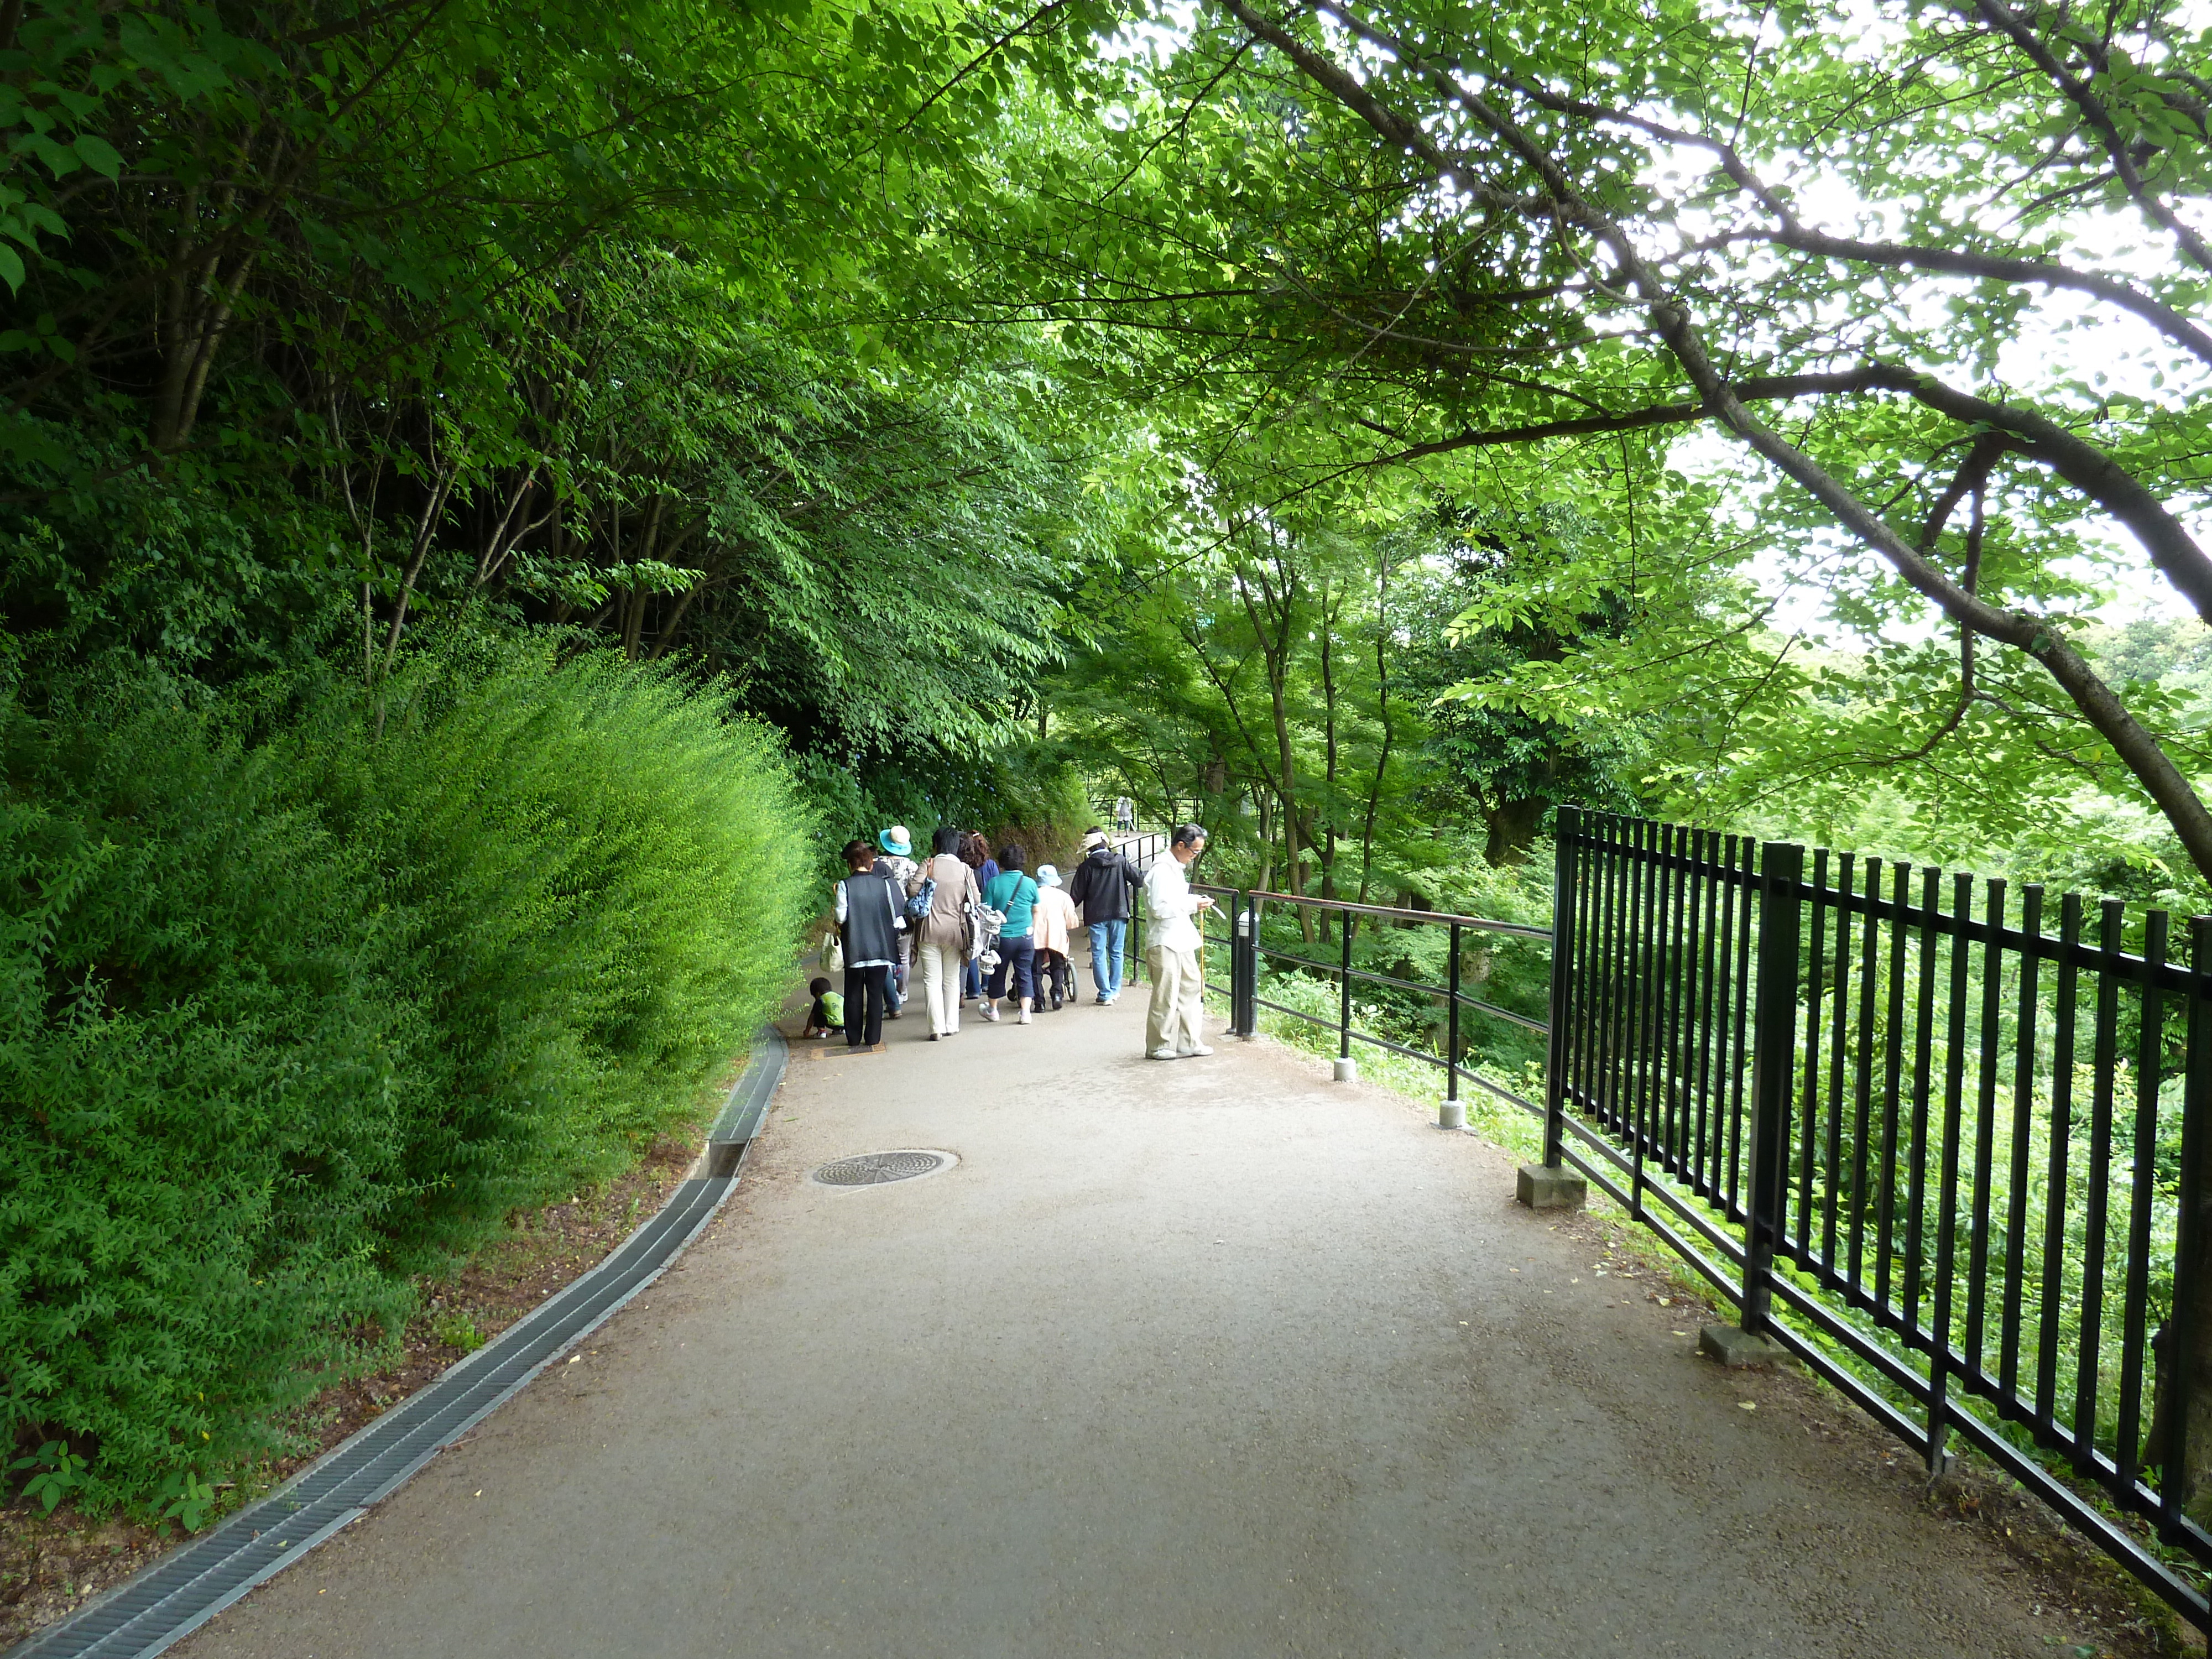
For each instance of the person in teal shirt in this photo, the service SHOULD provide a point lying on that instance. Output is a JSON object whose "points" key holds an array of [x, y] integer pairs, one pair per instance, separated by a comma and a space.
{"points": [[1014, 891]]}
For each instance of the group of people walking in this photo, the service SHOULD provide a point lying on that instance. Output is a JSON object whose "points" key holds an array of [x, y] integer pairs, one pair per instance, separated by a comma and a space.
{"points": [[973, 927]]}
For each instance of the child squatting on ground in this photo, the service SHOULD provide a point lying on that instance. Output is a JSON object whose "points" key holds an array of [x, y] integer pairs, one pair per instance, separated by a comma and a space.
{"points": [[826, 1017]]}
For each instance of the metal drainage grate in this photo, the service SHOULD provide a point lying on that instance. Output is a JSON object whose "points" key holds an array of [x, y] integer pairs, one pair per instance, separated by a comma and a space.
{"points": [[874, 1169]]}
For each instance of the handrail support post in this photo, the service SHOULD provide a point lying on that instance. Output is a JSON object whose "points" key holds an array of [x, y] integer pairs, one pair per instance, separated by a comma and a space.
{"points": [[1452, 1114], [1348, 1069], [1550, 1185]]}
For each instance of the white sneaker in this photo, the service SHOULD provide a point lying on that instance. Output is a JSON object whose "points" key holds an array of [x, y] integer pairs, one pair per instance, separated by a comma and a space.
{"points": [[1163, 1054], [991, 1011], [1184, 1053]]}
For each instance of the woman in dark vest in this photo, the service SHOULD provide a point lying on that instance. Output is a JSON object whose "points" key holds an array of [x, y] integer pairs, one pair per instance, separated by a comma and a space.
{"points": [[869, 920]]}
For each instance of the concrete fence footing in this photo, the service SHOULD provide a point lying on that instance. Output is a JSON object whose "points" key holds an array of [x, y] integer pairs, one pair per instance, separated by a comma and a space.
{"points": [[1549, 1187]]}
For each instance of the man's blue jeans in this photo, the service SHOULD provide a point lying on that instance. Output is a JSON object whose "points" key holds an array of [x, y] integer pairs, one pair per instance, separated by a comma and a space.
{"points": [[1106, 963]]}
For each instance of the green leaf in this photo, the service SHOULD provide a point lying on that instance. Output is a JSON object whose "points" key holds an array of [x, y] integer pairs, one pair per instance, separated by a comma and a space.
{"points": [[99, 155], [60, 159]]}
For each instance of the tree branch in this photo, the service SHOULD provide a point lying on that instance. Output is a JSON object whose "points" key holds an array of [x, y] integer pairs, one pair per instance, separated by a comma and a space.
{"points": [[2014, 27], [2136, 747]]}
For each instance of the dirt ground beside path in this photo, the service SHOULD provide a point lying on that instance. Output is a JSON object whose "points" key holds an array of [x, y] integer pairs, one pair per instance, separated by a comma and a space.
{"points": [[1203, 1359]]}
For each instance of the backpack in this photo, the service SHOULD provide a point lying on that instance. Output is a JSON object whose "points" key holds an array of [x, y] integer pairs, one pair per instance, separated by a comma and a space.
{"points": [[917, 907]]}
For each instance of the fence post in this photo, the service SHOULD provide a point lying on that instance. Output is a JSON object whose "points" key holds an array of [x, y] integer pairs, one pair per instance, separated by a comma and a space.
{"points": [[1240, 967], [1256, 916], [1566, 824], [1348, 1069], [1773, 1071], [1235, 957], [1452, 1114], [1550, 1185]]}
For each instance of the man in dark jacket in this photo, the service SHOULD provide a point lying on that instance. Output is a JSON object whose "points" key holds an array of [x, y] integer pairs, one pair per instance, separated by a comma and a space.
{"points": [[1101, 888]]}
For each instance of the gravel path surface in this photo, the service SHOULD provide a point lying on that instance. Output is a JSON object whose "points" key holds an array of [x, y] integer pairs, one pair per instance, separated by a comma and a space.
{"points": [[1203, 1359]]}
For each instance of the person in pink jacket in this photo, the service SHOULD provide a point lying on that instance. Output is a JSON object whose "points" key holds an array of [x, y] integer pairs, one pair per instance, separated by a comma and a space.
{"points": [[1053, 924]]}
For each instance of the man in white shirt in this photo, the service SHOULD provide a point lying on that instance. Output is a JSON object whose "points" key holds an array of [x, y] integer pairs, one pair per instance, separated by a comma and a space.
{"points": [[1174, 1027]]}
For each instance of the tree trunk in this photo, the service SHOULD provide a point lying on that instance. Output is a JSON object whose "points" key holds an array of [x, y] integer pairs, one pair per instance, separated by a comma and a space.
{"points": [[634, 622], [1513, 827], [1325, 841], [1383, 712]]}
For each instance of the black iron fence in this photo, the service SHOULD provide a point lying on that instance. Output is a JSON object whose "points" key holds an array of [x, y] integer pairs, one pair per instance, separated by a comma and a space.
{"points": [[1950, 1159], [1943, 1143]]}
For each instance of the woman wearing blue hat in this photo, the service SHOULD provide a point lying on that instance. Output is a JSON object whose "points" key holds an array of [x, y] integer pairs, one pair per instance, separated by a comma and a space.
{"points": [[898, 865]]}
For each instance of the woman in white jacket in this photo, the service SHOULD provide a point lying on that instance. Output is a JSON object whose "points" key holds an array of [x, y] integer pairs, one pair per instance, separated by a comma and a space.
{"points": [[1054, 929]]}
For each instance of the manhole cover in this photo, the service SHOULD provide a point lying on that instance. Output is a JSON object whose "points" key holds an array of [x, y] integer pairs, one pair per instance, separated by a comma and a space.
{"points": [[874, 1169]]}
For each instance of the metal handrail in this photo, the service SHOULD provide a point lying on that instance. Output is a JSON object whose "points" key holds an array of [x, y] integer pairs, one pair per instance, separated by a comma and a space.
{"points": [[1247, 949], [1373, 977], [1485, 924]]}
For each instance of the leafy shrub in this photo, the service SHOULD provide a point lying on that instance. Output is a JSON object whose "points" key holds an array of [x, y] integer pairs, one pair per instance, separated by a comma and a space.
{"points": [[291, 1011], [454, 1329]]}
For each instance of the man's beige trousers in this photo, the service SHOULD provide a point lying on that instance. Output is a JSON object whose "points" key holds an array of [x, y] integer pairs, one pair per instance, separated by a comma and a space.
{"points": [[1178, 1016]]}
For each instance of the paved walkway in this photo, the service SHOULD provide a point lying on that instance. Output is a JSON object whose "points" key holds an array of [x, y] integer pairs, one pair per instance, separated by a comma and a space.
{"points": [[1208, 1358]]}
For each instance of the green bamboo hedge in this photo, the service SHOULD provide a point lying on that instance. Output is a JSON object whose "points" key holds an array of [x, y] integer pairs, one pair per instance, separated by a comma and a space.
{"points": [[301, 991]]}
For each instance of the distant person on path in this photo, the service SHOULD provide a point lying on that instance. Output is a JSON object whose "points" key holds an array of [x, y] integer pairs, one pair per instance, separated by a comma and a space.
{"points": [[1125, 814], [1014, 891], [1174, 1027], [1101, 888], [869, 923], [976, 853], [947, 933], [897, 863], [1055, 934]]}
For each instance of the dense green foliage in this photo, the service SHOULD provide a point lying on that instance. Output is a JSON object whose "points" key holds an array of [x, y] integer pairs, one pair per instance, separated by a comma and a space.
{"points": [[465, 548], [292, 1015]]}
